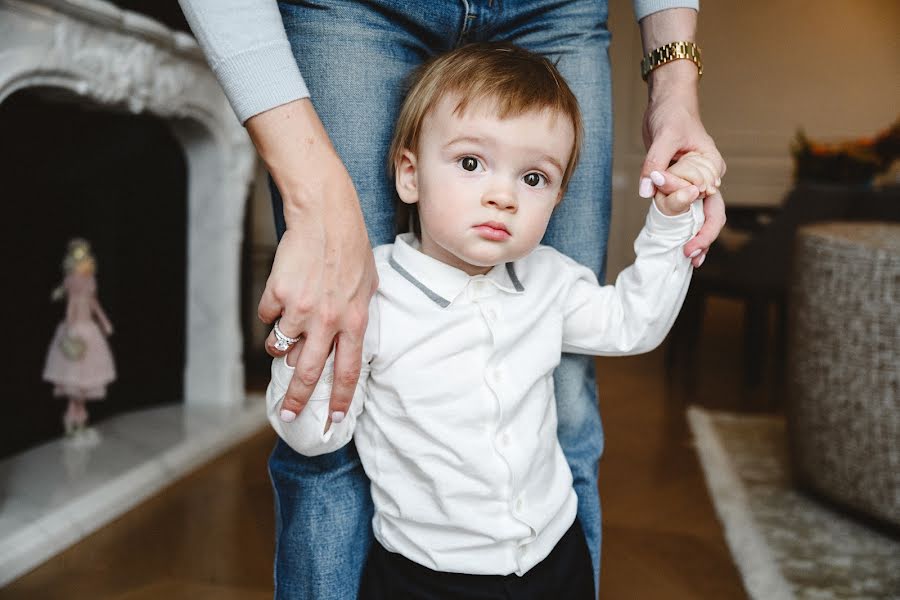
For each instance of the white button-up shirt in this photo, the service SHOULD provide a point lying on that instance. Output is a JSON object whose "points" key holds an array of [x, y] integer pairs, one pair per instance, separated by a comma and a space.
{"points": [[454, 415]]}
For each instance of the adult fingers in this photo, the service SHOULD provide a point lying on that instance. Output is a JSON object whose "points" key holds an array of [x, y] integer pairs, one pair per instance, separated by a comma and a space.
{"points": [[307, 372], [347, 364], [658, 158], [289, 326], [666, 182], [714, 212], [270, 307]]}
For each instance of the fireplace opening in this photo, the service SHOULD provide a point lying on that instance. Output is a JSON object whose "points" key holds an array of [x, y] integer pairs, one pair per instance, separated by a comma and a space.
{"points": [[120, 181]]}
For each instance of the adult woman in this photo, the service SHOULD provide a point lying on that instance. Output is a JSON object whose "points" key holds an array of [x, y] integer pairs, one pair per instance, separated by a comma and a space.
{"points": [[332, 198]]}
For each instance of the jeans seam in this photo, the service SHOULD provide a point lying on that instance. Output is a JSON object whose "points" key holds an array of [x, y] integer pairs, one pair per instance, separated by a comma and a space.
{"points": [[464, 30]]}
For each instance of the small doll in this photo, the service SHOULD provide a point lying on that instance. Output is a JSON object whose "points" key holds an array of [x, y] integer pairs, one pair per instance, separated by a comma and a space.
{"points": [[79, 361]]}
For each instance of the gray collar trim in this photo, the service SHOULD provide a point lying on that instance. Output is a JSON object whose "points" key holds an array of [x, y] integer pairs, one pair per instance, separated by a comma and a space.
{"points": [[511, 270], [442, 302], [439, 300]]}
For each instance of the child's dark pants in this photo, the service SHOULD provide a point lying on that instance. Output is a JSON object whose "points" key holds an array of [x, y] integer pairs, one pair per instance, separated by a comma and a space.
{"points": [[565, 573]]}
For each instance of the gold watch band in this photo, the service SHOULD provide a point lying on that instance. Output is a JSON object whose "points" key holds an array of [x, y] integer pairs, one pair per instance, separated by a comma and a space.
{"points": [[669, 52]]}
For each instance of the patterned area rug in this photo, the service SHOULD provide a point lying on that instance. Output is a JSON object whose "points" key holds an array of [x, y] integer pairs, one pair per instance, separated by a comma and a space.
{"points": [[786, 544]]}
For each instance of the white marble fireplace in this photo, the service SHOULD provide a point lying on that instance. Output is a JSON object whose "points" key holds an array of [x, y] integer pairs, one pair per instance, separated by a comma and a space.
{"points": [[127, 62], [91, 52]]}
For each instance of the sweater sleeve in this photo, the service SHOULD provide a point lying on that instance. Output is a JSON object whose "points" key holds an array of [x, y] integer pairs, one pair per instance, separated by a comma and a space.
{"points": [[247, 48], [642, 8]]}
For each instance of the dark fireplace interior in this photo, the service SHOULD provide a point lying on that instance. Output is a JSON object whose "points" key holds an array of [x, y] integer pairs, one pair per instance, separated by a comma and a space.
{"points": [[118, 180]]}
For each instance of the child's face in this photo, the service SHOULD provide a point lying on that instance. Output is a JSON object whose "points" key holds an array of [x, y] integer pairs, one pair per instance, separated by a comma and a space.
{"points": [[485, 186]]}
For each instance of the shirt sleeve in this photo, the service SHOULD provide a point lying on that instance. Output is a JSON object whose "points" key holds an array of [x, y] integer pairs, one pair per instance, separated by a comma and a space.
{"points": [[642, 8], [635, 314], [307, 434], [248, 51]]}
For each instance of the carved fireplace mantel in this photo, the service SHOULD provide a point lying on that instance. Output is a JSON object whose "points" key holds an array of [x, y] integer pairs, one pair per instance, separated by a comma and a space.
{"points": [[97, 54]]}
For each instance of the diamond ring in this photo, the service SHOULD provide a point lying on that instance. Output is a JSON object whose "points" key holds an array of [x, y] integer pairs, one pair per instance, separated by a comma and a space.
{"points": [[282, 342]]}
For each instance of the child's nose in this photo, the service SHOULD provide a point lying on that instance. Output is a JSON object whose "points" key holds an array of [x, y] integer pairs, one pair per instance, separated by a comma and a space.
{"points": [[500, 197]]}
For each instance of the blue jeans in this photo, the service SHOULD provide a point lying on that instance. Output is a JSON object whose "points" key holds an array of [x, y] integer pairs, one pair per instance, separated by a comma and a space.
{"points": [[355, 57]]}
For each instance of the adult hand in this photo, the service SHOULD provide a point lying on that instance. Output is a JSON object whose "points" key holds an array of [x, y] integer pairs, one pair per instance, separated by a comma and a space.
{"points": [[324, 273], [672, 124], [671, 129]]}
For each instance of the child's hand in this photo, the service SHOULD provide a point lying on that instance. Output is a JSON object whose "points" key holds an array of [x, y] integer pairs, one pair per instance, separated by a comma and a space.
{"points": [[691, 168], [677, 202], [698, 174]]}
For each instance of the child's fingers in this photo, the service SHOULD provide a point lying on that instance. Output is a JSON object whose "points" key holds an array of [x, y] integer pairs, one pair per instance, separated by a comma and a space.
{"points": [[678, 201], [696, 170]]}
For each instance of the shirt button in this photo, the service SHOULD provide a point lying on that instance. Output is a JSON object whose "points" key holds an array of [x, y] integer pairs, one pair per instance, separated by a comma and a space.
{"points": [[519, 505], [498, 375], [523, 550], [491, 314], [504, 439]]}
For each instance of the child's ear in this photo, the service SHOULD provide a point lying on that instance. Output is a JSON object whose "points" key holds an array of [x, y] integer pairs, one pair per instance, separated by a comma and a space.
{"points": [[406, 179]]}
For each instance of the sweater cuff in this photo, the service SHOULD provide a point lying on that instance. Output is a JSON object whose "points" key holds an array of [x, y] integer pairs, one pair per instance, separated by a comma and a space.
{"points": [[260, 79], [642, 8]]}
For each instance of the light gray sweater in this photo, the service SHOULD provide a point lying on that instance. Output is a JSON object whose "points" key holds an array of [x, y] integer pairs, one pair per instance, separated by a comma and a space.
{"points": [[248, 50]]}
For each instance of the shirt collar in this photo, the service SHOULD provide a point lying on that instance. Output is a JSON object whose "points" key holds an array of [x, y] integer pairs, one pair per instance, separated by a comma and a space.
{"points": [[439, 281]]}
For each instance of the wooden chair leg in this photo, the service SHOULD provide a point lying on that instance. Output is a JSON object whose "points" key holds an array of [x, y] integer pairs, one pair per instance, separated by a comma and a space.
{"points": [[781, 310], [684, 339], [755, 334]]}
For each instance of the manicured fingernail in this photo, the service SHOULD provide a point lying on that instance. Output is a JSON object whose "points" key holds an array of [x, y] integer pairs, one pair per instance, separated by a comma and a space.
{"points": [[700, 262], [657, 178], [287, 416], [337, 416], [695, 253], [718, 181], [646, 188]]}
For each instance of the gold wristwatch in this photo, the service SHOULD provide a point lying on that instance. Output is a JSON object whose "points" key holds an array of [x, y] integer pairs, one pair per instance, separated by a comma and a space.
{"points": [[669, 52]]}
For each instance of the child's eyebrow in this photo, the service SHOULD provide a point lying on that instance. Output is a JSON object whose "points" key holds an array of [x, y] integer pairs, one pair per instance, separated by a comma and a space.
{"points": [[553, 162], [473, 139]]}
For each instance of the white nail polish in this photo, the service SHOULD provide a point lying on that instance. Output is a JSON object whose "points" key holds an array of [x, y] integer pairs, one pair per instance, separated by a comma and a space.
{"points": [[700, 262], [646, 188], [287, 416], [337, 416], [657, 178], [695, 253]]}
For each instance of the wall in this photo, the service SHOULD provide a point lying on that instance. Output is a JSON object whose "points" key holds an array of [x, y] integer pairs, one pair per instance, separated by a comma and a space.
{"points": [[771, 66]]}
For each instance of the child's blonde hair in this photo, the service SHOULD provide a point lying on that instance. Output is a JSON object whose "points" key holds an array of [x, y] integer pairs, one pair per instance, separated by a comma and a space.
{"points": [[515, 80]]}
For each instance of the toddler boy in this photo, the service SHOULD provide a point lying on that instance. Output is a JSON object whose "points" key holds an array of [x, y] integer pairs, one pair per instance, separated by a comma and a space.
{"points": [[454, 415]]}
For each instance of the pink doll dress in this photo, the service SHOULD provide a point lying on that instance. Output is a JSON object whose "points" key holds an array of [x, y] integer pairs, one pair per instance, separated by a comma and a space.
{"points": [[87, 376]]}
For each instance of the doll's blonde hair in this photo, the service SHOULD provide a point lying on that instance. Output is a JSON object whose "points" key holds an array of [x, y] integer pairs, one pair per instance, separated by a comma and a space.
{"points": [[515, 80], [78, 252]]}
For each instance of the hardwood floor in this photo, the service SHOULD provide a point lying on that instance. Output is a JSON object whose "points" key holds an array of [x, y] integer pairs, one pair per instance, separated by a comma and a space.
{"points": [[210, 534]]}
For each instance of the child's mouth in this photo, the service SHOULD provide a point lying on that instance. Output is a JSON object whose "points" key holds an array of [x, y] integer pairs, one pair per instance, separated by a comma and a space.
{"points": [[492, 230]]}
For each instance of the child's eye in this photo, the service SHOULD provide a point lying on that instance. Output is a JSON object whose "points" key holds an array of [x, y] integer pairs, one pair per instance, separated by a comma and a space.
{"points": [[535, 180], [469, 163]]}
